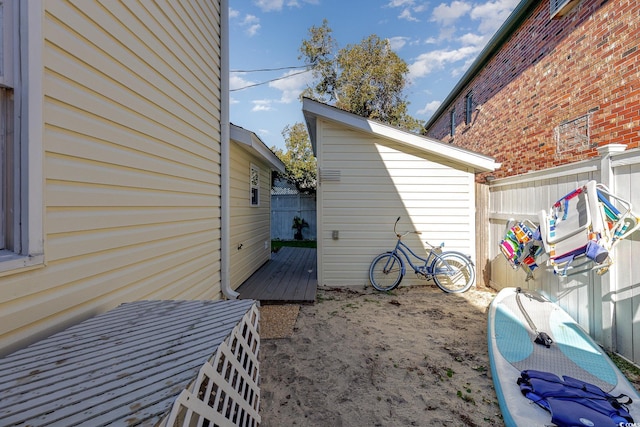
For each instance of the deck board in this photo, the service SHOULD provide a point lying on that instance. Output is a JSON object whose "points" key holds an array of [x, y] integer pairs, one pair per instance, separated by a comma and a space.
{"points": [[128, 364], [289, 277]]}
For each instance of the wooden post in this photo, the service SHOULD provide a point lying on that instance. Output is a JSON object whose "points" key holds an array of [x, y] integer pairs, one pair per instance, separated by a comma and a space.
{"points": [[483, 268]]}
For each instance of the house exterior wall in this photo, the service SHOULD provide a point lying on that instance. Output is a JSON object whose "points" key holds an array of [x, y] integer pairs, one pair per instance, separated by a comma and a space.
{"points": [[250, 239], [555, 90], [365, 183], [132, 105]]}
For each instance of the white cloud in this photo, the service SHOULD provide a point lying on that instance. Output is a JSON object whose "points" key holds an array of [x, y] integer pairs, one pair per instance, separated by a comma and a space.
{"points": [[269, 5], [277, 5], [400, 3], [261, 105], [250, 24], [250, 19], [398, 42], [448, 14], [492, 14], [438, 59], [488, 17], [430, 107], [406, 14], [236, 81], [470, 39], [233, 13], [253, 30], [409, 9], [263, 133], [292, 85]]}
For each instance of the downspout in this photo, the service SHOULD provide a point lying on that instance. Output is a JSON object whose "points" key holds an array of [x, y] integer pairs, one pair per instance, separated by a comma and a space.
{"points": [[225, 285]]}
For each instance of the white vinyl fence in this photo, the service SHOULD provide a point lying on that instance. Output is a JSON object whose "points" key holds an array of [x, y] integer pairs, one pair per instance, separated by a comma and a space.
{"points": [[607, 306], [287, 206]]}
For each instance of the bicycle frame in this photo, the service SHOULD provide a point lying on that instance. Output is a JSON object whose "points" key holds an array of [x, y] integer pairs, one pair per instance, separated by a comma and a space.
{"points": [[402, 248]]}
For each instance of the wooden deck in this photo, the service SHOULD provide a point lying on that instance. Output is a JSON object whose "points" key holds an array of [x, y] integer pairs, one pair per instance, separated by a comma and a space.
{"points": [[129, 365], [291, 276]]}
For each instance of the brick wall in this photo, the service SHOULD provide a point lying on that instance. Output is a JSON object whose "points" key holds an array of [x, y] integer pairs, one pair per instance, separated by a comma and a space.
{"points": [[556, 90]]}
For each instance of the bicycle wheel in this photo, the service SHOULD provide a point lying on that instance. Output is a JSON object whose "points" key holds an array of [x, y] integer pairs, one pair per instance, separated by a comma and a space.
{"points": [[385, 272], [453, 272]]}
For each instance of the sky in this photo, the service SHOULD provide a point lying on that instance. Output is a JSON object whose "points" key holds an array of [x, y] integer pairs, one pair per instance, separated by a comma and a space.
{"points": [[438, 41]]}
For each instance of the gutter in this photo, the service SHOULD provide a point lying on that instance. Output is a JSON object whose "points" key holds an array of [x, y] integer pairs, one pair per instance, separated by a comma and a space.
{"points": [[225, 125], [515, 20]]}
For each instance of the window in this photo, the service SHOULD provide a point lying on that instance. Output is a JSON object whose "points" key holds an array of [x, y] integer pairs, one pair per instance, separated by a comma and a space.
{"points": [[21, 199], [559, 8], [255, 185], [468, 108], [452, 118]]}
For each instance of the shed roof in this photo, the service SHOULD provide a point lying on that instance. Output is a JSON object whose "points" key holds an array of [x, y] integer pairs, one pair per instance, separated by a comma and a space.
{"points": [[314, 109], [252, 143], [125, 366]]}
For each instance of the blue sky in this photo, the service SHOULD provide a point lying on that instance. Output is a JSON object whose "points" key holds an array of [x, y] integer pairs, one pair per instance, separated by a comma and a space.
{"points": [[438, 40]]}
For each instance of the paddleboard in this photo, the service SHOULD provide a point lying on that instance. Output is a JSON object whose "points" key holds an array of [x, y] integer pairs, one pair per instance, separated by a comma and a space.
{"points": [[573, 353]]}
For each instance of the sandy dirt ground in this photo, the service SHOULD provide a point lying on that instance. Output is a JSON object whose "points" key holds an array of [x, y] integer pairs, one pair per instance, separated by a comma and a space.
{"points": [[412, 357]]}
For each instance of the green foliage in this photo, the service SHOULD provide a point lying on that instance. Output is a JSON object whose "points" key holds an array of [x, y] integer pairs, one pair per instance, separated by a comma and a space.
{"points": [[367, 79], [318, 53], [300, 164]]}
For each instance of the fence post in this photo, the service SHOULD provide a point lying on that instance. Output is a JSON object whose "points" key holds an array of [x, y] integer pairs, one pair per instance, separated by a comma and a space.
{"points": [[608, 281]]}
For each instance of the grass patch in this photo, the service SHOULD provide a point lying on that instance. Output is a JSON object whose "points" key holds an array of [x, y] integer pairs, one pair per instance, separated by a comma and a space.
{"points": [[277, 244], [631, 371]]}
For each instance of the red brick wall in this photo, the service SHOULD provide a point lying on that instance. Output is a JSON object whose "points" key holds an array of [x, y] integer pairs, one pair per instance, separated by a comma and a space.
{"points": [[550, 72]]}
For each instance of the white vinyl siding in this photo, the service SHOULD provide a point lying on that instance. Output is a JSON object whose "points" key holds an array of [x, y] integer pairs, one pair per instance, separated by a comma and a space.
{"points": [[250, 224], [379, 181], [132, 105]]}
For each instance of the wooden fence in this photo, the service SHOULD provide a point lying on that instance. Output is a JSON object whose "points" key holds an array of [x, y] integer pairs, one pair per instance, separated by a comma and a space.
{"points": [[287, 206], [607, 306]]}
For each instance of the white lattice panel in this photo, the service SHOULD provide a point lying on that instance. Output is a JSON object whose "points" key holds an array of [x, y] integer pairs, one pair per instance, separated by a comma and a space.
{"points": [[226, 392]]}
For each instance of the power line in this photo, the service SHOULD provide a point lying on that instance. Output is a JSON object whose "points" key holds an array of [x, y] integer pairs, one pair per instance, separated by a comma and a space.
{"points": [[269, 69], [268, 81]]}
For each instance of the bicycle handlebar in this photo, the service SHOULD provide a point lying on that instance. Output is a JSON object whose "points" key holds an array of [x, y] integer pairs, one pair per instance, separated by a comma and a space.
{"points": [[401, 235]]}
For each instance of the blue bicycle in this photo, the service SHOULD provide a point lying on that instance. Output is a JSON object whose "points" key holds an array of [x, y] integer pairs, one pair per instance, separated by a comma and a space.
{"points": [[451, 271]]}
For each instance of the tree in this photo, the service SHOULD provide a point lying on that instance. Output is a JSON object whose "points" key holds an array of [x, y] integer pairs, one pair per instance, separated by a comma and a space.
{"points": [[318, 53], [367, 79], [300, 164]]}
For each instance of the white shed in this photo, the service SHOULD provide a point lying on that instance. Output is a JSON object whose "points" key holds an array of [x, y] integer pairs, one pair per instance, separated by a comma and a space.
{"points": [[370, 173]]}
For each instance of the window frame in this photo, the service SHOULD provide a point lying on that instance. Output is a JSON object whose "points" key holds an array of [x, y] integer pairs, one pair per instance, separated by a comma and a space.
{"points": [[468, 108], [254, 198], [452, 122], [23, 76], [560, 8]]}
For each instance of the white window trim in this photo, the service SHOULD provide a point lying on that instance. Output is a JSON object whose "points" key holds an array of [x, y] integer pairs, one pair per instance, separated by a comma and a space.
{"points": [[251, 186], [28, 72]]}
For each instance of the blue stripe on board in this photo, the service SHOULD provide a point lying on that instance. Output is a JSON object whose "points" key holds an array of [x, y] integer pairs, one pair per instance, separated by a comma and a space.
{"points": [[574, 344], [512, 337]]}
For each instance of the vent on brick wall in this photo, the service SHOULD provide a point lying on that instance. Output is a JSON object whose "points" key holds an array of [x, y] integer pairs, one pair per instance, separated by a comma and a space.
{"points": [[559, 8], [573, 134], [329, 175]]}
